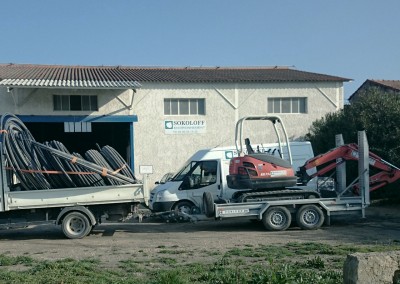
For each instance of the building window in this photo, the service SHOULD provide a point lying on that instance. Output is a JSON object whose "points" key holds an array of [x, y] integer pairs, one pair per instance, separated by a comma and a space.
{"points": [[82, 103], [184, 107], [287, 105]]}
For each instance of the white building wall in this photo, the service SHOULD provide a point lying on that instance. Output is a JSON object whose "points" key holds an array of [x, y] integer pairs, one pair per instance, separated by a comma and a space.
{"points": [[27, 101], [225, 103]]}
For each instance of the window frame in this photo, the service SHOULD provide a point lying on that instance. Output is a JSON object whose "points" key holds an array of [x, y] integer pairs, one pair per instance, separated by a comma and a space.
{"points": [[286, 105], [79, 103], [184, 106]]}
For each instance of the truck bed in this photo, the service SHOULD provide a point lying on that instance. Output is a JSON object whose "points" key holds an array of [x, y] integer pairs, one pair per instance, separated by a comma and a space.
{"points": [[63, 197]]}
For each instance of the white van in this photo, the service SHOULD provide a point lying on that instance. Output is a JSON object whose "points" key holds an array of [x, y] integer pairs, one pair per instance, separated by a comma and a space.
{"points": [[206, 170]]}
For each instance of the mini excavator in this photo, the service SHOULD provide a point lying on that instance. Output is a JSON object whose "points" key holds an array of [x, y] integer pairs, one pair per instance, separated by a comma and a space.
{"points": [[262, 175]]}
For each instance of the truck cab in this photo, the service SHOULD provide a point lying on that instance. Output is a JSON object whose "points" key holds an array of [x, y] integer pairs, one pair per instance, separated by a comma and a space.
{"points": [[206, 171]]}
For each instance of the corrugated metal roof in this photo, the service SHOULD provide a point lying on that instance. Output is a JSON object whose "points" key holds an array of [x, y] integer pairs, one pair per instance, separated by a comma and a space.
{"points": [[24, 75], [54, 76]]}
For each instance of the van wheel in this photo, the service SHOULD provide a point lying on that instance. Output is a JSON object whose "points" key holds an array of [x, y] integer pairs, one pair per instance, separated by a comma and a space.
{"points": [[277, 218], [185, 207], [208, 204], [76, 225], [310, 217]]}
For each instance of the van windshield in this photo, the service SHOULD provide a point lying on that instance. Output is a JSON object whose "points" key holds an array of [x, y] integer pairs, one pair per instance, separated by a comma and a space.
{"points": [[183, 171]]}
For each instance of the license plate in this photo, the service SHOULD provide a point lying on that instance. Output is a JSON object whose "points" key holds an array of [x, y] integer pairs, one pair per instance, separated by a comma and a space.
{"points": [[233, 211]]}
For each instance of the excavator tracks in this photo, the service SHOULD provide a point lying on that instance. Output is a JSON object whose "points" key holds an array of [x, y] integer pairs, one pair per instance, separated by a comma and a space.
{"points": [[286, 194]]}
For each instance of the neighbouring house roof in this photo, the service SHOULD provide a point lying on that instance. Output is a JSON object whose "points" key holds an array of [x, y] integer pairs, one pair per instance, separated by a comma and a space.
{"points": [[387, 85], [393, 84], [42, 76]]}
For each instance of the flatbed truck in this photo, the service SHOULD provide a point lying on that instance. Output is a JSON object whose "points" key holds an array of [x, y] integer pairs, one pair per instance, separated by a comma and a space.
{"points": [[76, 209]]}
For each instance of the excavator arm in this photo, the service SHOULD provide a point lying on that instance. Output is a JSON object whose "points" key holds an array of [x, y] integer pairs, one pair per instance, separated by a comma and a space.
{"points": [[331, 159]]}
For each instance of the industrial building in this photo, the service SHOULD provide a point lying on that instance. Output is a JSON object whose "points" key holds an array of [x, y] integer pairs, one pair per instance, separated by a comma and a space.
{"points": [[156, 117]]}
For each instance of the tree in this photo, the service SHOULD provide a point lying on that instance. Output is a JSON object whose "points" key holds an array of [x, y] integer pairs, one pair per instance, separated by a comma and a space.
{"points": [[376, 112]]}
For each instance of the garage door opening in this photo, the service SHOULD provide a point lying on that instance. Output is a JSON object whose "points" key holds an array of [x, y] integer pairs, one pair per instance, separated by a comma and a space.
{"points": [[116, 135]]}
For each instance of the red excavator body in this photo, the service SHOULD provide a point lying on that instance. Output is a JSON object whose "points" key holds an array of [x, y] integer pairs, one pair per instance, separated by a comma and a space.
{"points": [[260, 171]]}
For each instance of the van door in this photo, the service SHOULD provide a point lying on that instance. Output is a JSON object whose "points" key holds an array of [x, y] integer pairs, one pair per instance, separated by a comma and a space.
{"points": [[204, 176]]}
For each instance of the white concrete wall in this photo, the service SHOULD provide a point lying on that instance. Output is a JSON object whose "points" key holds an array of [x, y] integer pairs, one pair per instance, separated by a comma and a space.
{"points": [[27, 101], [225, 103]]}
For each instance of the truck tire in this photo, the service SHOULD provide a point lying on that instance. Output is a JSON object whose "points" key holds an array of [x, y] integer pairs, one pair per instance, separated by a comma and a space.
{"points": [[208, 204], [76, 225], [277, 218], [184, 207], [310, 217]]}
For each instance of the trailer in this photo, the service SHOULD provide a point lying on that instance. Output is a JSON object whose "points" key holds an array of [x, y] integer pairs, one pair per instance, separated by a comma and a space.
{"points": [[277, 213], [30, 196]]}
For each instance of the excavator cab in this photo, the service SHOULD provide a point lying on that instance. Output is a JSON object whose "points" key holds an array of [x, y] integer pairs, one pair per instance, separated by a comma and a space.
{"points": [[261, 170]]}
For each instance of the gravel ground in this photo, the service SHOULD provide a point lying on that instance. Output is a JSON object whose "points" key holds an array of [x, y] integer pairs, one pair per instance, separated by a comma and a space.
{"points": [[111, 243]]}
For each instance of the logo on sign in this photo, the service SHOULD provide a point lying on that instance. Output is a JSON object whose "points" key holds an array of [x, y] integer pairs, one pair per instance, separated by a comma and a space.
{"points": [[228, 155], [169, 124]]}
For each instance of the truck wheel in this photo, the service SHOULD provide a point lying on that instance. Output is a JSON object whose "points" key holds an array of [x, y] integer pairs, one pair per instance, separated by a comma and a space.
{"points": [[310, 217], [76, 225], [184, 207], [208, 204], [277, 218]]}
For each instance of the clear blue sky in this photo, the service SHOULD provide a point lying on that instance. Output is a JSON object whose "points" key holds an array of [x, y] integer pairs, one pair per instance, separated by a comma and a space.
{"points": [[356, 39]]}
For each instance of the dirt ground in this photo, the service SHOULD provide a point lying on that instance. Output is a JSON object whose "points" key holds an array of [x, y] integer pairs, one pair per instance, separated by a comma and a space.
{"points": [[111, 243]]}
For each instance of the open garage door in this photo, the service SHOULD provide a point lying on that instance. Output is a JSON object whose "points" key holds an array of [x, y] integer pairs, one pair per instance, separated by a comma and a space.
{"points": [[115, 134], [82, 133]]}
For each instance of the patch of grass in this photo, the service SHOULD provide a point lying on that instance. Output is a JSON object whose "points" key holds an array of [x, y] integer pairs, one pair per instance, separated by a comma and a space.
{"points": [[246, 252], [310, 262], [168, 251], [65, 271], [167, 260], [315, 263], [170, 277], [130, 266], [10, 260], [211, 253]]}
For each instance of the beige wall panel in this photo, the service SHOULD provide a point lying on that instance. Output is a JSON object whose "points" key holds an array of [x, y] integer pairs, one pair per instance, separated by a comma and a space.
{"points": [[225, 103]]}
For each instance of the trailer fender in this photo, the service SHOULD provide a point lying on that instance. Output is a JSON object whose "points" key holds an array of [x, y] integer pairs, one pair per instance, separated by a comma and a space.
{"points": [[262, 210], [81, 209]]}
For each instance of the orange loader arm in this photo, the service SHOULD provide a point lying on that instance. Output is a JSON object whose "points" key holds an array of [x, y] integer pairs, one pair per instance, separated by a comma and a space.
{"points": [[328, 161]]}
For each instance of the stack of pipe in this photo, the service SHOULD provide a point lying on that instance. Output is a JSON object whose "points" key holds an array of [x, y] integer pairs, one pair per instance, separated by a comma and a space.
{"points": [[50, 165]]}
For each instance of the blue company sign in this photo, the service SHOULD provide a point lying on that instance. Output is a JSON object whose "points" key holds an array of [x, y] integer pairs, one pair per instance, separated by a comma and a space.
{"points": [[184, 126]]}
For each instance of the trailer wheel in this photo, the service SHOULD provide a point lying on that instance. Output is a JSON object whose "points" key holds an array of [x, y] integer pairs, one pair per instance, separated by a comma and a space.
{"points": [[310, 217], [277, 218], [208, 204], [76, 225]]}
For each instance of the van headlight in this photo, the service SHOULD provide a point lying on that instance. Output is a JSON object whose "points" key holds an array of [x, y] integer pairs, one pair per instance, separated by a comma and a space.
{"points": [[157, 196]]}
